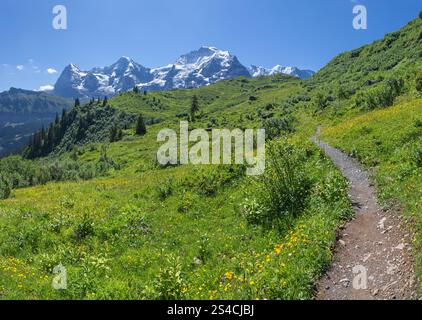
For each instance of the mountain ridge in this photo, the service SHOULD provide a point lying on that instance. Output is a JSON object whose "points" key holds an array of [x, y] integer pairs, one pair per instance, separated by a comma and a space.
{"points": [[195, 69], [24, 111]]}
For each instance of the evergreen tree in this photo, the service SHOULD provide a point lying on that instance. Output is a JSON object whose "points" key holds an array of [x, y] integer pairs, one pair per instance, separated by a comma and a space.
{"points": [[105, 101], [50, 140], [135, 89], [113, 133], [35, 152], [43, 136], [194, 107], [77, 102], [140, 126], [120, 135]]}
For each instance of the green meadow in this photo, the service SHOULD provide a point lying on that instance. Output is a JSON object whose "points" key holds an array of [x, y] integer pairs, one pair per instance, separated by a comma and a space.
{"points": [[126, 227]]}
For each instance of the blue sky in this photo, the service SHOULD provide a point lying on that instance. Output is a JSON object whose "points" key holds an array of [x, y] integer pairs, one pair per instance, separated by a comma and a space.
{"points": [[303, 33]]}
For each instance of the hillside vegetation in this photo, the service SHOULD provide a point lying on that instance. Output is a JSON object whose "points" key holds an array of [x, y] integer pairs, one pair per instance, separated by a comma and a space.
{"points": [[136, 230]]}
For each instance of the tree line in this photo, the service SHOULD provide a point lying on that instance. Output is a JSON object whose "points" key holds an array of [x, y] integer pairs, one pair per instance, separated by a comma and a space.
{"points": [[93, 117]]}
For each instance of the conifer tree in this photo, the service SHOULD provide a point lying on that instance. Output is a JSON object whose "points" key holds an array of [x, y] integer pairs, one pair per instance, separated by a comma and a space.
{"points": [[140, 126], [120, 135], [194, 107], [113, 133]]}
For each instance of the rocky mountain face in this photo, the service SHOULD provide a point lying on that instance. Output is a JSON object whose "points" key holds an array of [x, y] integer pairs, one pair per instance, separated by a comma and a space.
{"points": [[198, 68], [293, 71]]}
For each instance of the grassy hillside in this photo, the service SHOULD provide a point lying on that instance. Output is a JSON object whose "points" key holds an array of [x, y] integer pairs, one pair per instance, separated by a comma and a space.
{"points": [[132, 229], [395, 53]]}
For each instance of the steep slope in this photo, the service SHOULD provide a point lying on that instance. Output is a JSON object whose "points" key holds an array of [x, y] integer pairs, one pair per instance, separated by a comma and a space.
{"points": [[398, 53], [22, 112]]}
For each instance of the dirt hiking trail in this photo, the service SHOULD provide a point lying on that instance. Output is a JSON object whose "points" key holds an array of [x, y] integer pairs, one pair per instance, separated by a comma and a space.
{"points": [[372, 257]]}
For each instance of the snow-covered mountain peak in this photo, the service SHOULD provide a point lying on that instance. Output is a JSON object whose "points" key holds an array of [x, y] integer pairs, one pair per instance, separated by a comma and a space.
{"points": [[125, 62], [197, 68], [258, 71], [202, 55], [73, 68]]}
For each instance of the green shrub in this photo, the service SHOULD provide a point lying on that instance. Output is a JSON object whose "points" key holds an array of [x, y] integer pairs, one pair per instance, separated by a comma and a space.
{"points": [[254, 211], [88, 278], [5, 187], [84, 229], [276, 127], [204, 248], [343, 93], [169, 282], [417, 156], [17, 172], [320, 101], [419, 82], [331, 189], [207, 180], [165, 189], [285, 186], [185, 202], [134, 221], [381, 96]]}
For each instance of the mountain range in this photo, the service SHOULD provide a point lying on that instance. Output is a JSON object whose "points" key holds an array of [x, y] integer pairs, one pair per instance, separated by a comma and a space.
{"points": [[22, 112], [196, 69]]}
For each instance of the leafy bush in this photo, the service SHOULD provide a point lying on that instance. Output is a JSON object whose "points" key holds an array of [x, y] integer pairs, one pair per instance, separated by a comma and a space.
{"points": [[275, 127], [381, 96], [185, 202], [286, 186], [165, 190], [206, 181], [343, 93], [331, 189], [128, 224], [419, 82], [254, 211], [320, 101], [286, 181], [84, 229], [417, 156], [169, 283], [17, 172]]}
